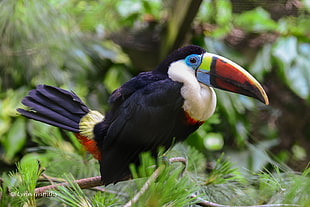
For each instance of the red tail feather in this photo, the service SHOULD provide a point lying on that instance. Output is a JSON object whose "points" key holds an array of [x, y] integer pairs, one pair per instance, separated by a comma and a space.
{"points": [[90, 146]]}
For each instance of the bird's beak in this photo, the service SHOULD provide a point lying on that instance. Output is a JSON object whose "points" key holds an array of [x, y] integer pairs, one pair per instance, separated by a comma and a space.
{"points": [[219, 72]]}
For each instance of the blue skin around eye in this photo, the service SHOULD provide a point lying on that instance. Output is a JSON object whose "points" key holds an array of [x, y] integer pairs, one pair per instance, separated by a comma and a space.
{"points": [[193, 65], [201, 75]]}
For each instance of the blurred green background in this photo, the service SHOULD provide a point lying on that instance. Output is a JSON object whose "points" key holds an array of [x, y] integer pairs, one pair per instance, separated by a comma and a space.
{"points": [[94, 46]]}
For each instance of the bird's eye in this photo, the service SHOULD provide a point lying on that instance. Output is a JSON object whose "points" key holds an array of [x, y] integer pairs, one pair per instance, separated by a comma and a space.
{"points": [[193, 61]]}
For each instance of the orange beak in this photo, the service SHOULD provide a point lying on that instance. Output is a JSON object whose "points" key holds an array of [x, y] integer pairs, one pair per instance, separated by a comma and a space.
{"points": [[219, 72]]}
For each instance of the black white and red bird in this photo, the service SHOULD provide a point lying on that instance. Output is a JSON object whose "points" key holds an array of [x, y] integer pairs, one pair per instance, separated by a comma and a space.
{"points": [[153, 109]]}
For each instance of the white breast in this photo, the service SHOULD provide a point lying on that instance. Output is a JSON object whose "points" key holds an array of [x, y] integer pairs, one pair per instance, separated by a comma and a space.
{"points": [[199, 99]]}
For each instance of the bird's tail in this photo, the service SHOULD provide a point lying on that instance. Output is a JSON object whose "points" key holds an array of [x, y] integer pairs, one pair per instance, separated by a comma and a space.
{"points": [[63, 109]]}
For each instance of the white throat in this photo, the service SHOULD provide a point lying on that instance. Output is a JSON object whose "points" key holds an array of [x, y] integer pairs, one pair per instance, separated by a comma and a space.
{"points": [[199, 99]]}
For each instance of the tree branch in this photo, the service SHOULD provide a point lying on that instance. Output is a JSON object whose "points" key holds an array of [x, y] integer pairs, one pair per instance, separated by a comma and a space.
{"points": [[202, 202], [84, 183]]}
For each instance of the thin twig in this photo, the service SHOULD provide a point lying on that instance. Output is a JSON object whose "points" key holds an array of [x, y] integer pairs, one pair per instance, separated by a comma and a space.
{"points": [[104, 190], [202, 202], [143, 189], [178, 159], [50, 179], [82, 183]]}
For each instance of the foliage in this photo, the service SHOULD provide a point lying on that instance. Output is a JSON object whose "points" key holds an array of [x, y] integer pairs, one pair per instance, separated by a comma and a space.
{"points": [[72, 197], [68, 43], [273, 51], [225, 184], [293, 66], [20, 188]]}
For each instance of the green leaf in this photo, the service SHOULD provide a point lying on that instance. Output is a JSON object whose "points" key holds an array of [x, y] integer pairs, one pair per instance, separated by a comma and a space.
{"points": [[262, 62], [285, 49], [298, 77], [128, 8], [152, 7], [15, 139], [214, 141], [293, 61], [223, 18], [259, 155], [306, 5], [256, 20], [223, 12], [5, 124], [115, 77]]}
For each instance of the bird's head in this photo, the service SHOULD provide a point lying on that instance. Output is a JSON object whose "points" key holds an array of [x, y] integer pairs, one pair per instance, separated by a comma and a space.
{"points": [[215, 71]]}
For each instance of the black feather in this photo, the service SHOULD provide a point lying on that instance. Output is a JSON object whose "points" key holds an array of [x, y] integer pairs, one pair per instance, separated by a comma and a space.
{"points": [[179, 54], [54, 106]]}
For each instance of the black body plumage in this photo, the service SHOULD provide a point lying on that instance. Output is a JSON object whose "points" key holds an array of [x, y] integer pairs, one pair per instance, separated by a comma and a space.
{"points": [[150, 117], [145, 113]]}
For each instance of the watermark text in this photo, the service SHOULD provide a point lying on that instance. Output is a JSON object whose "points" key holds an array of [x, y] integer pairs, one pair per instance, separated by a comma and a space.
{"points": [[27, 194]]}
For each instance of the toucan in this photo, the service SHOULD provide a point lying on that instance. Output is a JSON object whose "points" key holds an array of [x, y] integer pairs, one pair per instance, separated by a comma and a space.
{"points": [[154, 109]]}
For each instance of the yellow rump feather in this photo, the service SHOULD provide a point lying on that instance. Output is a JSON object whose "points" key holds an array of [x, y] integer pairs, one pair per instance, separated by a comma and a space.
{"points": [[88, 122]]}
